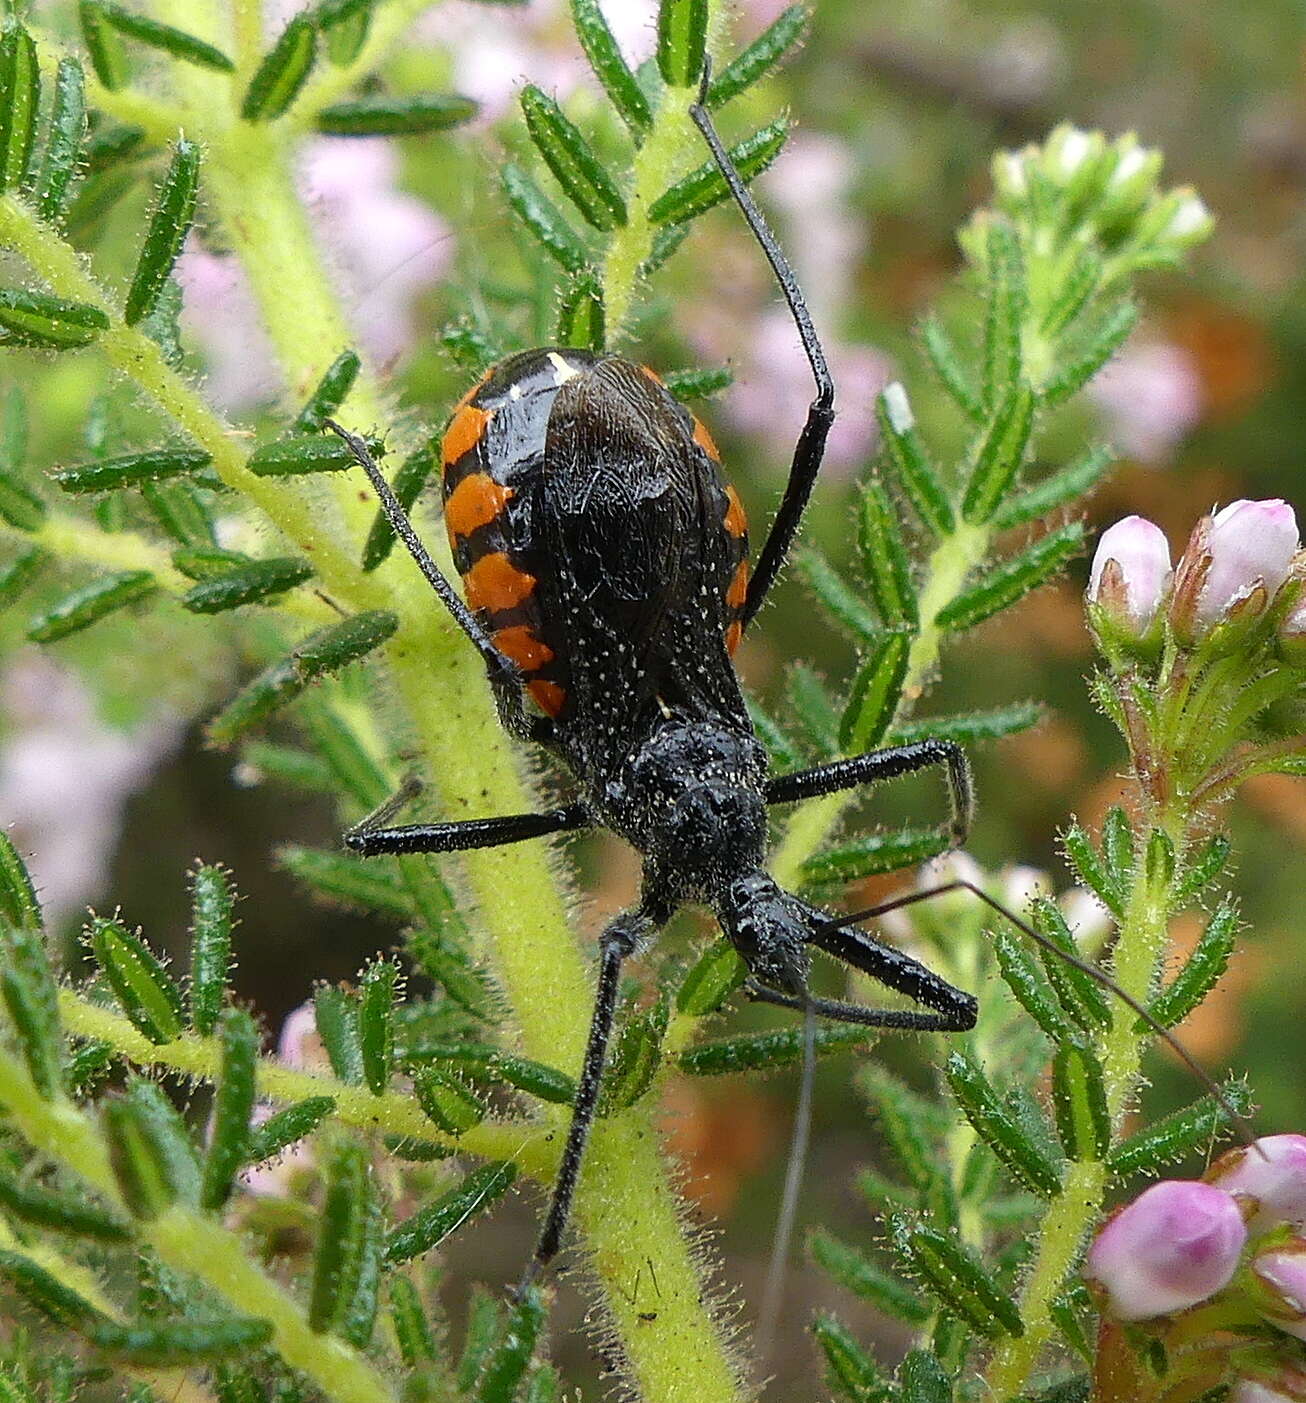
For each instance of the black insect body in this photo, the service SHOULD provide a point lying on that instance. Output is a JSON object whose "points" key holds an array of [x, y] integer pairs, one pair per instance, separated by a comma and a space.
{"points": [[604, 563]]}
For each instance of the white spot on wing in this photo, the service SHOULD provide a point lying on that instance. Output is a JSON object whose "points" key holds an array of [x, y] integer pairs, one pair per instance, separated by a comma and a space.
{"points": [[563, 369]]}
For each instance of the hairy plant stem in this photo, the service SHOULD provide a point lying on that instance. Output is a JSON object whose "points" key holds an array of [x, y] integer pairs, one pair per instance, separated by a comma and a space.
{"points": [[625, 1206], [1138, 953], [946, 571], [173, 1384], [391, 1112], [188, 1241], [657, 164]]}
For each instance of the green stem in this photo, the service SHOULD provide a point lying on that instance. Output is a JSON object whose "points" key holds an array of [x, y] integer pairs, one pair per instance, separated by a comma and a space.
{"points": [[189, 1242], [1068, 1220], [391, 1112], [1139, 950], [657, 165], [472, 761]]}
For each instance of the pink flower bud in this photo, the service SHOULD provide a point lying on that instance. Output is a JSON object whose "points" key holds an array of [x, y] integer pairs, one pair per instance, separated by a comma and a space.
{"points": [[1131, 572], [1176, 1244], [1251, 546], [1275, 1178], [1284, 1272]]}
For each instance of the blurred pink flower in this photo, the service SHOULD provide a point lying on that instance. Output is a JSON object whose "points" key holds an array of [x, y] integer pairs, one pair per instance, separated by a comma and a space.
{"points": [[298, 1045], [773, 387], [383, 246], [1151, 395], [496, 51], [1176, 1244], [65, 778]]}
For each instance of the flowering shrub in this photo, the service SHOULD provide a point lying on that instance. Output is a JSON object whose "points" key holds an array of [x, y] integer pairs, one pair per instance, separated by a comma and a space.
{"points": [[280, 1236]]}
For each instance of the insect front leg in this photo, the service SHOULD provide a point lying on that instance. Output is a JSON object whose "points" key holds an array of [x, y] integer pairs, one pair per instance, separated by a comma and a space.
{"points": [[621, 938], [877, 765]]}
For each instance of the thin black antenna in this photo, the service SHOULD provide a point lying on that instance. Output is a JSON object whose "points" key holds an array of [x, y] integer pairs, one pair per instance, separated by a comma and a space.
{"points": [[773, 1293], [1241, 1123]]}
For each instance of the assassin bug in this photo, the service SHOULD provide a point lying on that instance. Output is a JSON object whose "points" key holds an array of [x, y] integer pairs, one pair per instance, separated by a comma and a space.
{"points": [[605, 565]]}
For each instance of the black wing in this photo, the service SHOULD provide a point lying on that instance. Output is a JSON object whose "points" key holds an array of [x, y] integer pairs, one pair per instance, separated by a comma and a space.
{"points": [[631, 511]]}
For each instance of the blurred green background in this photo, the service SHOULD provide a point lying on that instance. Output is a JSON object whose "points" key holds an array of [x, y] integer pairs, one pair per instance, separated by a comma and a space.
{"points": [[899, 109]]}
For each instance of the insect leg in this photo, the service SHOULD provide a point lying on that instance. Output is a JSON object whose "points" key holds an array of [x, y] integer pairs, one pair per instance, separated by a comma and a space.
{"points": [[810, 448], [371, 841], [878, 765], [505, 680], [620, 939]]}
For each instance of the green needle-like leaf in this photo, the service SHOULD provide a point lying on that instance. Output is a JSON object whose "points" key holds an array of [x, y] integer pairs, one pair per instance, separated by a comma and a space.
{"points": [[431, 1225], [336, 382], [254, 583], [610, 68], [582, 315], [507, 1363], [884, 558], [380, 115], [20, 100], [1202, 970], [288, 1126], [850, 1371], [1001, 455], [18, 903], [752, 1052], [856, 1272], [874, 854], [43, 322], [999, 1130], [1013, 579], [543, 218], [141, 983], [1079, 1101], [376, 1033], [1061, 489], [60, 1212], [103, 44], [958, 1278], [711, 980], [163, 36], [705, 187], [131, 470], [842, 605], [64, 143], [152, 1158], [760, 57], [682, 41], [1110, 334], [233, 1104], [875, 693], [573, 162], [947, 365], [348, 1219], [31, 999], [906, 453], [89, 605], [170, 221], [283, 72], [411, 477], [212, 903], [1173, 1137]]}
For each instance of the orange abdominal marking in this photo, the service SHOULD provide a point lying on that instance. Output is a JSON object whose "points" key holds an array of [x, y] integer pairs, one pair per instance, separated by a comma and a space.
{"points": [[652, 375], [548, 696], [494, 583], [733, 634], [521, 645], [736, 521], [704, 440], [464, 432], [476, 501], [738, 590]]}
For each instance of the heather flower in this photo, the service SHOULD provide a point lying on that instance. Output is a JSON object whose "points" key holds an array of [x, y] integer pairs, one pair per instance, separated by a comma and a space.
{"points": [[1245, 558], [1130, 576], [1257, 1391], [1283, 1271], [1176, 1244], [1292, 634], [1273, 1172], [1151, 395]]}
